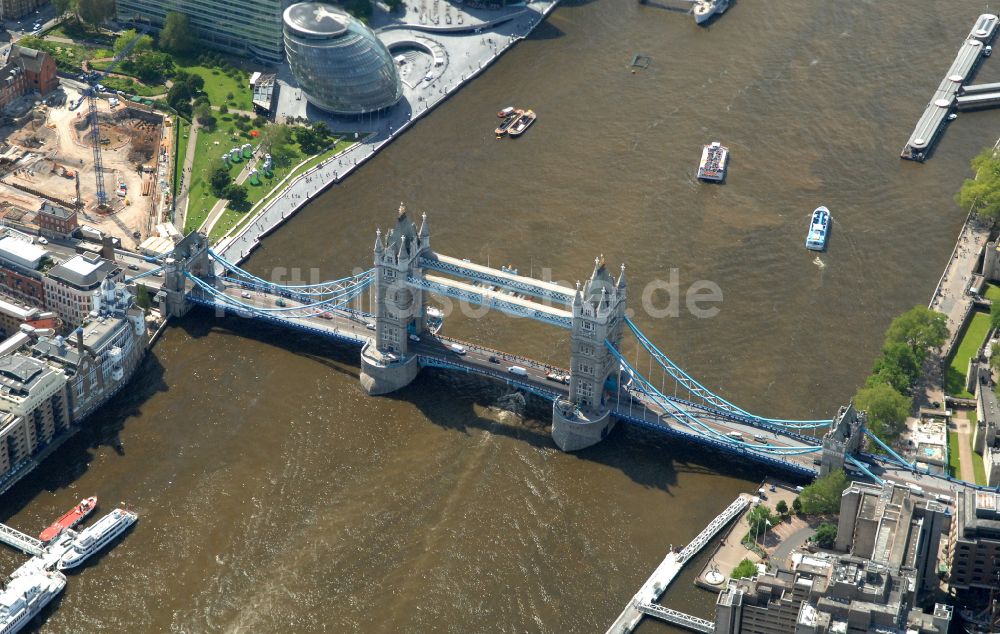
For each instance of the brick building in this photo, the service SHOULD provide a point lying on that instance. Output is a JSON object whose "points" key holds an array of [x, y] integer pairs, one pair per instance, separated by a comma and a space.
{"points": [[39, 68], [56, 221]]}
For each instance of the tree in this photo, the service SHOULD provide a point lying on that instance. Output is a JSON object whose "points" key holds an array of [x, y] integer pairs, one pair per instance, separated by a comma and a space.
{"points": [[142, 297], [219, 180], [223, 109], [745, 569], [898, 366], [176, 34], [920, 328], [313, 139], [143, 43], [205, 116], [982, 194], [887, 410], [797, 505], [823, 495], [179, 95], [277, 141], [394, 4], [826, 535], [760, 519], [237, 196], [195, 83], [95, 12], [62, 6], [995, 315], [781, 507]]}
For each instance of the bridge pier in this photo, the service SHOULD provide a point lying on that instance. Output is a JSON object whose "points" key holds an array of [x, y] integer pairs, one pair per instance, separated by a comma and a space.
{"points": [[574, 429], [384, 373]]}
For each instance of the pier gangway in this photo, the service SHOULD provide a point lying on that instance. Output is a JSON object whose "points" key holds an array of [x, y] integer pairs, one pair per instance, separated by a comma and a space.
{"points": [[674, 617], [16, 539]]}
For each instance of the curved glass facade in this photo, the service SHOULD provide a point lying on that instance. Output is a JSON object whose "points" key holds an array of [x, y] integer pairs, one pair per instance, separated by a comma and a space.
{"points": [[339, 63]]}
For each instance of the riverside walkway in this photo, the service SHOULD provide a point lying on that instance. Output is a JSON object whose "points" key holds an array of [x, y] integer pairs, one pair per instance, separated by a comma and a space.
{"points": [[644, 601]]}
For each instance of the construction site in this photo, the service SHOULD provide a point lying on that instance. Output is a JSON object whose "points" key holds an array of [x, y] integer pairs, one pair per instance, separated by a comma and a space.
{"points": [[47, 155]]}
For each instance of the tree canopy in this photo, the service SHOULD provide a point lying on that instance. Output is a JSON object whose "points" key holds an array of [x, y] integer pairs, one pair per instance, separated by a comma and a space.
{"points": [[143, 43], [920, 328], [176, 34], [982, 193], [826, 535], [887, 409], [95, 12], [761, 518], [823, 495], [745, 568]]}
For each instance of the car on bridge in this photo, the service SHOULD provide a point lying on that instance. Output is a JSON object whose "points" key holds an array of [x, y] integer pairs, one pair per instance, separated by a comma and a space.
{"points": [[280, 302]]}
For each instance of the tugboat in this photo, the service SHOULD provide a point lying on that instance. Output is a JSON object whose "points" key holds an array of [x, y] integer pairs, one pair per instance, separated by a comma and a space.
{"points": [[819, 229], [714, 158], [70, 519], [523, 122], [508, 121]]}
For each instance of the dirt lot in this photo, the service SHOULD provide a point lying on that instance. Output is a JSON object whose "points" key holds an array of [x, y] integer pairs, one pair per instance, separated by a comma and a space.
{"points": [[60, 159]]}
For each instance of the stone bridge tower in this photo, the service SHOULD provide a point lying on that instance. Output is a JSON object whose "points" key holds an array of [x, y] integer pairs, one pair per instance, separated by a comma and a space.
{"points": [[387, 364], [843, 439], [584, 418], [191, 256]]}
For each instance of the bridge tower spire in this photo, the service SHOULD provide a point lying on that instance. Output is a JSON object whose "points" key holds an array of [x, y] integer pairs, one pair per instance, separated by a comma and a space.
{"points": [[387, 363], [584, 417]]}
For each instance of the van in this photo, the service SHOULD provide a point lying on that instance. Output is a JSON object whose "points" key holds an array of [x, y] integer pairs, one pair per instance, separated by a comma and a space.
{"points": [[735, 435], [457, 349], [760, 438], [518, 370], [944, 499]]}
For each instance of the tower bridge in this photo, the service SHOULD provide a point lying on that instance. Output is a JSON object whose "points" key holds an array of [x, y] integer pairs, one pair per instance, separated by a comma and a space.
{"points": [[599, 386]]}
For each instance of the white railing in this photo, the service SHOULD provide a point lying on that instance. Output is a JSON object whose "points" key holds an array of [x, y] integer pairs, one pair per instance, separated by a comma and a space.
{"points": [[17, 539], [713, 527], [676, 618]]}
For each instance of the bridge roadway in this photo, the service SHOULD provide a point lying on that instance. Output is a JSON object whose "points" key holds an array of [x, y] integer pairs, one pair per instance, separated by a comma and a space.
{"points": [[357, 328]]}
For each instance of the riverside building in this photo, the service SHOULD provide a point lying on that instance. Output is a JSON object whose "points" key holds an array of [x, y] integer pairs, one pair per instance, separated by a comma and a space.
{"points": [[240, 27]]}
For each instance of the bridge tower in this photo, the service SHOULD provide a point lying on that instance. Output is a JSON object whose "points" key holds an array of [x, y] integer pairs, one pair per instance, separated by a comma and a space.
{"points": [[584, 418], [386, 363], [189, 255], [843, 439]]}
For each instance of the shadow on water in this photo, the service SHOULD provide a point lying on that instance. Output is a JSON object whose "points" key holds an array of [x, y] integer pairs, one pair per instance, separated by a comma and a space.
{"points": [[646, 457], [101, 429], [666, 7], [547, 31]]}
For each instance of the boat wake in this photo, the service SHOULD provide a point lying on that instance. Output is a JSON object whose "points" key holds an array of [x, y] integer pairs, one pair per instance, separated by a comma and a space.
{"points": [[820, 263]]}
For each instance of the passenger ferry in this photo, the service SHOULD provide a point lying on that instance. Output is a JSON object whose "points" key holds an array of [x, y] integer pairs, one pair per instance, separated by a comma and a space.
{"points": [[24, 597], [93, 538], [714, 158], [523, 122], [819, 229], [705, 9]]}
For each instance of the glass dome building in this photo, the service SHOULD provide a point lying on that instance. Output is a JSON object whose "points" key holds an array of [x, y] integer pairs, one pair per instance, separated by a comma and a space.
{"points": [[338, 62]]}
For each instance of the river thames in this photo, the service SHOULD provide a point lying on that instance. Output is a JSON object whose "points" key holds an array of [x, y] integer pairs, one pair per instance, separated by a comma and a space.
{"points": [[274, 496]]}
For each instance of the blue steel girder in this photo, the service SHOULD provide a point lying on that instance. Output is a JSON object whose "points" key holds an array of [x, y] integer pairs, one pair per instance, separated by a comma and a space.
{"points": [[898, 458], [512, 283], [861, 467], [330, 303], [479, 299]]}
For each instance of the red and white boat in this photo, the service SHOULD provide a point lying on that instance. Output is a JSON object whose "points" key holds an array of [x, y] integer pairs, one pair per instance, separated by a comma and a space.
{"points": [[72, 517]]}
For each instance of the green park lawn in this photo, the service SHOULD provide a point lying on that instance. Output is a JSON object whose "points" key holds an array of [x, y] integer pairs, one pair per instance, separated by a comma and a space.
{"points": [[69, 57], [218, 85], [972, 340], [992, 292], [954, 463], [258, 194]]}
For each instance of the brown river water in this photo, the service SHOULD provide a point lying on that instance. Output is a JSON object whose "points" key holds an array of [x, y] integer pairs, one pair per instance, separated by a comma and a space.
{"points": [[276, 497]]}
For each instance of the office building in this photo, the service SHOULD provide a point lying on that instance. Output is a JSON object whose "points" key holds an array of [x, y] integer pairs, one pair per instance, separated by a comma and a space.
{"points": [[70, 286], [245, 28], [20, 277], [974, 542], [339, 63], [826, 594]]}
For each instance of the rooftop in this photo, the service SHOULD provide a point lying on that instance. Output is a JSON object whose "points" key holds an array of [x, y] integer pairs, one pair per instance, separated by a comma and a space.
{"points": [[317, 19], [22, 251], [84, 272]]}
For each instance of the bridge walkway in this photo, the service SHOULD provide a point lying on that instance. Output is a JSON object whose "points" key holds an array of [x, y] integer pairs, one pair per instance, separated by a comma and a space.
{"points": [[674, 617]]}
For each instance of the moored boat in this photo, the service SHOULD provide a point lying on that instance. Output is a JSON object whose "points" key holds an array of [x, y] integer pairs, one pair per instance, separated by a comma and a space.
{"points": [[705, 9], [523, 122], [506, 112], [819, 229], [714, 159], [507, 122], [25, 596], [70, 519], [95, 537]]}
